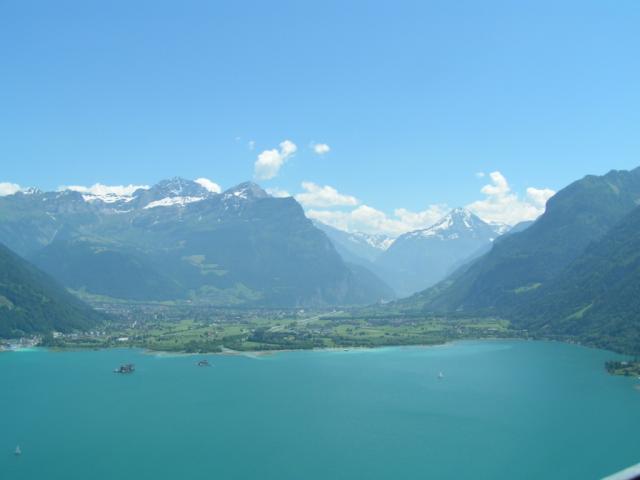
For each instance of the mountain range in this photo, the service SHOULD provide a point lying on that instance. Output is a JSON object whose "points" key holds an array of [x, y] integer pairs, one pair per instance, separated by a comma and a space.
{"points": [[178, 240], [420, 258], [357, 247], [573, 273]]}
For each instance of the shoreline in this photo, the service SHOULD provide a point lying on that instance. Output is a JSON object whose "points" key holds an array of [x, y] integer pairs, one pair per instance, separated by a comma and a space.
{"points": [[251, 353], [257, 354], [263, 353]]}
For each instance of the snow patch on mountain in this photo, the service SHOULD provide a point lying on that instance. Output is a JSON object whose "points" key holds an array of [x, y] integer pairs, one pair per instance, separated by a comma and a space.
{"points": [[245, 191], [380, 242], [105, 193], [106, 198], [173, 201], [500, 228]]}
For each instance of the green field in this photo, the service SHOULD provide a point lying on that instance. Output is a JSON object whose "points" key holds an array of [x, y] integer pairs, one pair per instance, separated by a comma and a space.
{"points": [[179, 329], [196, 329]]}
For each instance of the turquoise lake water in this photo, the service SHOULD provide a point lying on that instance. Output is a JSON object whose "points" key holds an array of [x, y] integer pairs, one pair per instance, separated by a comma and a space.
{"points": [[505, 409]]}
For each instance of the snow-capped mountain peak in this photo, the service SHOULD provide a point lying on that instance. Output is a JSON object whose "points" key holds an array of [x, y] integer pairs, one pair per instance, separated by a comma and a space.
{"points": [[173, 192], [459, 222], [179, 187], [421, 258], [245, 191]]}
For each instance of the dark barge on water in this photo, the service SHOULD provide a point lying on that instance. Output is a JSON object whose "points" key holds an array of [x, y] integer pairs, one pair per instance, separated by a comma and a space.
{"points": [[204, 363], [126, 368]]}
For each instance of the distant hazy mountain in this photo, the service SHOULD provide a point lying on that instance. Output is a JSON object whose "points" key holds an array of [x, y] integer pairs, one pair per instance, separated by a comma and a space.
{"points": [[357, 247], [504, 280], [419, 259], [178, 240], [32, 302]]}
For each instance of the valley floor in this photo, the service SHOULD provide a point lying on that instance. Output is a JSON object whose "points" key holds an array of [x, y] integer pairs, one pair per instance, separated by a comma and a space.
{"points": [[206, 330], [199, 329]]}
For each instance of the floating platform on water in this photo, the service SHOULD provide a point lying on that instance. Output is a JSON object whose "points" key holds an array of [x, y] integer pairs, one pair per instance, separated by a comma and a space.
{"points": [[126, 368]]}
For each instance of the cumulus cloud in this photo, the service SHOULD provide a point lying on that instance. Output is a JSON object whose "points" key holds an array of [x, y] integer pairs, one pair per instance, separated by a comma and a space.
{"points": [[539, 196], [335, 218], [371, 220], [499, 205], [101, 190], [326, 196], [269, 162], [7, 188], [425, 218], [278, 193], [321, 148], [502, 205], [208, 184]]}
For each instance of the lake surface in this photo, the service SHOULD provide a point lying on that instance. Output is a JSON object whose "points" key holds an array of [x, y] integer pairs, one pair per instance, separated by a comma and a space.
{"points": [[504, 409]]}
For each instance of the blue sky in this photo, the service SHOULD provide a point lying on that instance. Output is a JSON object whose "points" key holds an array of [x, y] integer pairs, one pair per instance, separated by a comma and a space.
{"points": [[413, 98]]}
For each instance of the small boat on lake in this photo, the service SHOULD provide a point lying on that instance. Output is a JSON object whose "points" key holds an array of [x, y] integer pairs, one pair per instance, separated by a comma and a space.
{"points": [[204, 363], [440, 376], [18, 451], [126, 368]]}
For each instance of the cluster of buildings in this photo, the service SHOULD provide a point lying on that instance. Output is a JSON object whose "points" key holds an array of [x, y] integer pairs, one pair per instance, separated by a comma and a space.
{"points": [[19, 343]]}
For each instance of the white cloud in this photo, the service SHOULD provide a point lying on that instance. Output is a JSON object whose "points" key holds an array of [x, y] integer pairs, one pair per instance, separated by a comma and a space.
{"points": [[370, 220], [500, 205], [101, 190], [500, 186], [327, 196], [209, 185], [269, 162], [480, 174], [278, 193], [7, 188], [336, 218], [504, 206], [321, 148], [539, 196], [251, 144], [423, 219]]}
